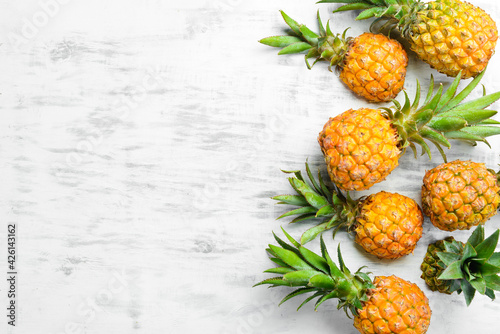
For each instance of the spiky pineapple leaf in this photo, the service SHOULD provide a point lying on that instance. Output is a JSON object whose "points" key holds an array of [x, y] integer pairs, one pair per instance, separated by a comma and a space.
{"points": [[299, 211], [343, 267], [479, 284], [449, 94], [333, 294], [299, 277], [448, 258], [486, 248], [463, 93], [279, 270], [313, 232], [303, 217], [280, 41], [468, 252], [493, 282], [490, 293], [279, 261], [295, 293], [468, 291], [477, 236], [479, 103], [274, 281], [472, 117], [284, 245], [326, 211], [312, 180], [295, 48], [453, 271], [494, 259], [291, 23], [307, 300], [488, 269], [314, 259], [449, 123], [296, 200], [290, 258], [289, 237], [322, 281]]}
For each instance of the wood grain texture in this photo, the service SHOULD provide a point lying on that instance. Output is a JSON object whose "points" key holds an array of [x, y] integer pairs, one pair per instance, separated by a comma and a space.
{"points": [[140, 143]]}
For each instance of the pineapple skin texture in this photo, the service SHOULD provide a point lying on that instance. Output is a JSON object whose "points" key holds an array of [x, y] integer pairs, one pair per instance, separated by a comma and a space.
{"points": [[451, 35], [431, 269], [360, 148], [374, 67], [394, 306], [459, 195], [389, 225]]}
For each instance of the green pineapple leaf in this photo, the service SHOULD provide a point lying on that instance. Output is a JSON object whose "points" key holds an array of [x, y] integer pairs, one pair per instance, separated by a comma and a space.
{"points": [[295, 293], [468, 291], [453, 271], [486, 248], [313, 232], [477, 236]]}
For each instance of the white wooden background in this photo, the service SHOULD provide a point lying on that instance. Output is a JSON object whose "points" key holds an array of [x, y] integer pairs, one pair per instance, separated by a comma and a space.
{"points": [[139, 145]]}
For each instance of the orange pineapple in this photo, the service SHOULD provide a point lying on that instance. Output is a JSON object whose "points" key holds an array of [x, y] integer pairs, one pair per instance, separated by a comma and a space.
{"points": [[386, 304], [371, 65], [386, 225], [460, 194], [450, 35], [362, 147]]}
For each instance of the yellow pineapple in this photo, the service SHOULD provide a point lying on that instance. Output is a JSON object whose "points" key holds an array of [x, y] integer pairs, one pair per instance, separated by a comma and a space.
{"points": [[460, 194], [371, 65], [361, 147], [386, 304], [386, 225], [450, 35]]}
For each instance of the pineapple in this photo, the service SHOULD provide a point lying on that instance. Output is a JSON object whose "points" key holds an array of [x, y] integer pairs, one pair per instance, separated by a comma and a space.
{"points": [[460, 194], [452, 36], [386, 225], [386, 304], [371, 65], [453, 266], [361, 147]]}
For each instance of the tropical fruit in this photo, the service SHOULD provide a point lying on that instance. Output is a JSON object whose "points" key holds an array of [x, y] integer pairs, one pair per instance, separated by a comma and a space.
{"points": [[460, 194], [386, 225], [362, 147], [450, 35], [372, 65], [386, 304], [453, 266]]}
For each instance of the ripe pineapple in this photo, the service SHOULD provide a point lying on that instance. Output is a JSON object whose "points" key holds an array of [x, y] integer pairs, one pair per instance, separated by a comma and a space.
{"points": [[362, 147], [453, 266], [449, 35], [371, 65], [386, 225], [460, 195], [388, 304]]}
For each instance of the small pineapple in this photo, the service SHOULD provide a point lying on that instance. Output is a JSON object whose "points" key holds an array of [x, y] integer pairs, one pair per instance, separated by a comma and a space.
{"points": [[371, 65], [386, 304], [362, 147], [460, 194], [450, 35], [453, 266], [386, 225]]}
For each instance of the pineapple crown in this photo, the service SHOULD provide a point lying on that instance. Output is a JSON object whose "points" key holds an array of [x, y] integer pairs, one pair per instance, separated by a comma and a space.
{"points": [[316, 200], [323, 46], [396, 12], [302, 268], [473, 266], [443, 116]]}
